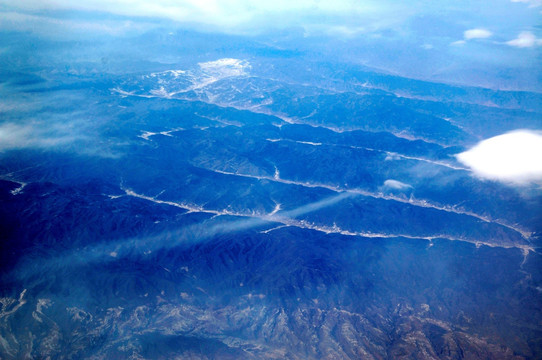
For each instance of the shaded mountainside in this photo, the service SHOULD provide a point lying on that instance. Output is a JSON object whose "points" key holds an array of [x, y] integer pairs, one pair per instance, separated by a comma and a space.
{"points": [[217, 212], [288, 293]]}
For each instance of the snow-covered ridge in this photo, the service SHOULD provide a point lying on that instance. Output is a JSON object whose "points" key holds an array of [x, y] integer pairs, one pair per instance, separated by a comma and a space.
{"points": [[168, 83], [287, 219], [220, 69], [378, 195], [227, 67], [175, 73]]}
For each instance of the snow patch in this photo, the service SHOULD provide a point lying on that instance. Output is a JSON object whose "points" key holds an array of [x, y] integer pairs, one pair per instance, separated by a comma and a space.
{"points": [[18, 190], [223, 68]]}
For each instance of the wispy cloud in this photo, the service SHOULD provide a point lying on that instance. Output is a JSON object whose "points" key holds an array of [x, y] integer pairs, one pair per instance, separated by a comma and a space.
{"points": [[458, 43], [525, 39], [74, 137], [14, 136], [396, 185], [532, 3], [43, 24], [514, 157]]}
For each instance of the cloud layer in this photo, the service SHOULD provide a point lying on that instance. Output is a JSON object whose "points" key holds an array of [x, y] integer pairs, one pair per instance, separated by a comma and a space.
{"points": [[217, 13], [532, 3], [514, 157]]}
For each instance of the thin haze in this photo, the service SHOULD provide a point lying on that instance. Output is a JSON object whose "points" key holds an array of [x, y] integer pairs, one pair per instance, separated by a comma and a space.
{"points": [[476, 19], [465, 42], [184, 236]]}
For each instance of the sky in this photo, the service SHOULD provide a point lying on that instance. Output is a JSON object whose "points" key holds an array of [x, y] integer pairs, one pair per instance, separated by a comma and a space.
{"points": [[500, 20]]}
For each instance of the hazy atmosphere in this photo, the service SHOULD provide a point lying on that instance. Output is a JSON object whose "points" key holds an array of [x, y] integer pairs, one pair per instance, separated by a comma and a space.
{"points": [[271, 180]]}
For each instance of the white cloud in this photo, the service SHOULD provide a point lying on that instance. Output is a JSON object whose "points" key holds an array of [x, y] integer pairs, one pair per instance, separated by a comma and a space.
{"points": [[471, 34], [397, 185], [525, 39], [477, 34], [514, 157]]}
